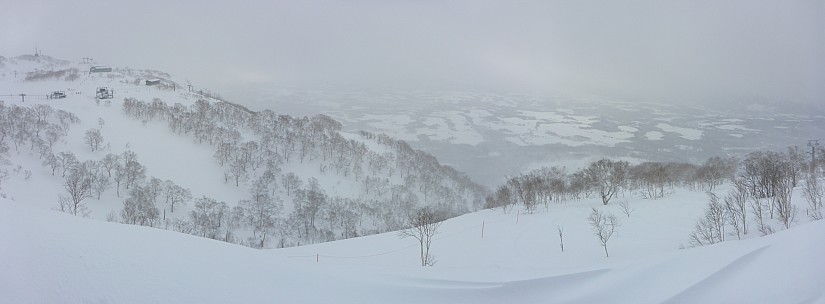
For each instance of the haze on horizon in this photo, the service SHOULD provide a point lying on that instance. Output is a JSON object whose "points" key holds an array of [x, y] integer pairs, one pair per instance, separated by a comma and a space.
{"points": [[688, 51]]}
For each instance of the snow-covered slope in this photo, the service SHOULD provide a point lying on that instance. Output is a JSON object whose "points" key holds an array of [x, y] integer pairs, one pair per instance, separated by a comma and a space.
{"points": [[366, 174], [483, 257], [57, 258]]}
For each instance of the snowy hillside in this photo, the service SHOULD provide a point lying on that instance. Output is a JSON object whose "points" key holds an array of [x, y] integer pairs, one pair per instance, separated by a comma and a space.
{"points": [[218, 178], [68, 259], [163, 151]]}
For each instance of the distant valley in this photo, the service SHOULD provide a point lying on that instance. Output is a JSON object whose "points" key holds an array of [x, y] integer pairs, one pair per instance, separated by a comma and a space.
{"points": [[510, 134]]}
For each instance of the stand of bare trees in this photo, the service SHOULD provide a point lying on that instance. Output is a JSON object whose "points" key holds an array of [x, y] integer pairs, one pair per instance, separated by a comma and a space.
{"points": [[762, 189], [605, 179], [253, 147]]}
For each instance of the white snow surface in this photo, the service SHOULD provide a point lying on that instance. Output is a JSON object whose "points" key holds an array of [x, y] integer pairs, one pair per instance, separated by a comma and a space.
{"points": [[654, 135], [50, 257], [686, 133]]}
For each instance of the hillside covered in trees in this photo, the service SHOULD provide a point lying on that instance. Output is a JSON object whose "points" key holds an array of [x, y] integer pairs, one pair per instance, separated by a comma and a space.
{"points": [[286, 180]]}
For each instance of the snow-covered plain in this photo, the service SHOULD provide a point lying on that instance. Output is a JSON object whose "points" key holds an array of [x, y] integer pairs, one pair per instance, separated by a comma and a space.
{"points": [[545, 129]]}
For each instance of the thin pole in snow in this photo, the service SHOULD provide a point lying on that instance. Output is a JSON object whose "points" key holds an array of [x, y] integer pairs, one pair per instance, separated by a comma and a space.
{"points": [[482, 229], [316, 257], [517, 214]]}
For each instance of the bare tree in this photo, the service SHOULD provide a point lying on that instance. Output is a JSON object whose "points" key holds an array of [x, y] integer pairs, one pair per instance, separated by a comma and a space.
{"points": [[814, 191], [505, 198], [78, 185], [560, 229], [120, 177], [133, 171], [423, 225], [209, 217], [736, 205], [308, 203], [604, 226], [100, 184], [711, 228], [42, 112], [758, 211], [93, 138], [713, 172], [238, 169], [109, 162], [139, 209], [155, 187], [291, 182], [52, 161], [65, 204], [525, 187], [224, 152], [607, 176], [785, 209], [651, 177], [175, 195], [626, 208], [53, 134], [261, 213], [67, 161]]}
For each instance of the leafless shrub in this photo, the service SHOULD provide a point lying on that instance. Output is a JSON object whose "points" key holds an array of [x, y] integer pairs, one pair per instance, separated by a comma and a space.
{"points": [[813, 192], [711, 228], [111, 216], [626, 208], [604, 226], [758, 211], [736, 205], [560, 229]]}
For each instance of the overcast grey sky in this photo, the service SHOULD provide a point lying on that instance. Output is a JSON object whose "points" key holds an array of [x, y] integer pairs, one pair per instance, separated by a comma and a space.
{"points": [[647, 50]]}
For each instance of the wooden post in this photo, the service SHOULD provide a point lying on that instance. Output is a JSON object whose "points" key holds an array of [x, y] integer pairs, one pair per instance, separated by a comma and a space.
{"points": [[482, 229]]}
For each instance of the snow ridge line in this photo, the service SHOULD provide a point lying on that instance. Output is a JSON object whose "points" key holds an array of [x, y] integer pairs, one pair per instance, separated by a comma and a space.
{"points": [[391, 251], [353, 257]]}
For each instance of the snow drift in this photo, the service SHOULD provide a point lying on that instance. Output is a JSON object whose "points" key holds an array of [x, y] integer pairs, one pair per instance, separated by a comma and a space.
{"points": [[50, 257]]}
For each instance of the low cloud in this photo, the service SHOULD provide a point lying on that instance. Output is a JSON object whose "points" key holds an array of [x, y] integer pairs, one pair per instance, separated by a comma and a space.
{"points": [[690, 51]]}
